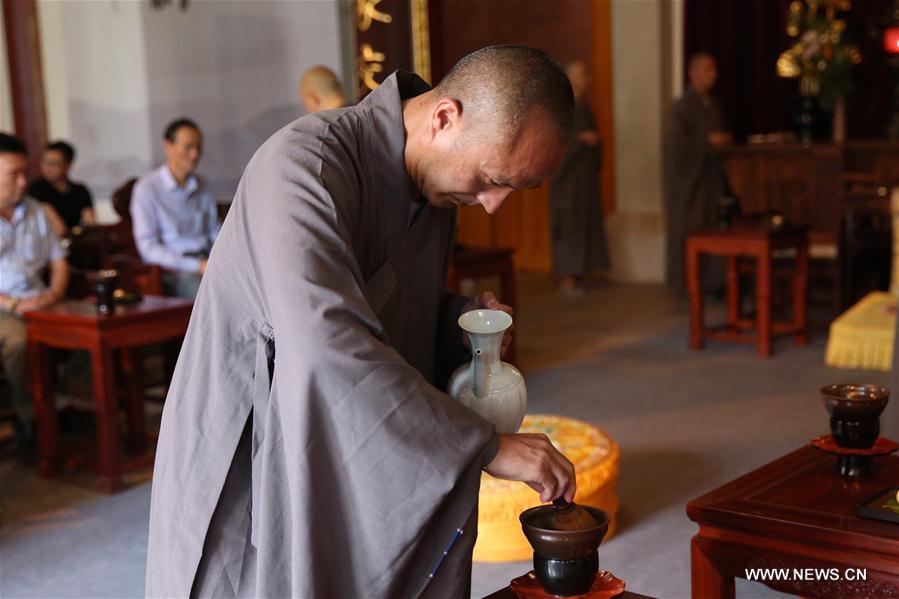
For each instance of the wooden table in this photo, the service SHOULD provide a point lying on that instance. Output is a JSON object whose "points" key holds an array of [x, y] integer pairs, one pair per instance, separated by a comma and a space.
{"points": [[758, 243], [796, 512], [477, 263], [77, 325]]}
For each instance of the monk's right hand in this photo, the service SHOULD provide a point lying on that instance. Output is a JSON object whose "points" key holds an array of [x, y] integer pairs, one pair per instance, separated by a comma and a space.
{"points": [[532, 459]]}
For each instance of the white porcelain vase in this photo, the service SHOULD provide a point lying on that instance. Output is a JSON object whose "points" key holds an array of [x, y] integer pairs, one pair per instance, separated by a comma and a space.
{"points": [[487, 385]]}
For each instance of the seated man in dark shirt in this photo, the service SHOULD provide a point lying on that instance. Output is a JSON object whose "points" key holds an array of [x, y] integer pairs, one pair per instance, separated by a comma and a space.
{"points": [[71, 200]]}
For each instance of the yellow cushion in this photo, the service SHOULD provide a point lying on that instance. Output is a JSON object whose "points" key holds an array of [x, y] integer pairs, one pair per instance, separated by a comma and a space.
{"points": [[862, 337], [595, 458]]}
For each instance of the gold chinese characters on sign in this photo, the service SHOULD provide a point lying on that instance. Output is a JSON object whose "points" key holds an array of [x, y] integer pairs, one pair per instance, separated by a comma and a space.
{"points": [[370, 64], [367, 11]]}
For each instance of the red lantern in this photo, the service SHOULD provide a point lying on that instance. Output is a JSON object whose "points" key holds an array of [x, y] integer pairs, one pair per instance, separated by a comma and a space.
{"points": [[891, 40]]}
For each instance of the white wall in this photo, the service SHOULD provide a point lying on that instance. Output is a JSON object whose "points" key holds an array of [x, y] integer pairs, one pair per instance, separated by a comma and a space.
{"points": [[95, 85], [234, 67], [116, 71]]}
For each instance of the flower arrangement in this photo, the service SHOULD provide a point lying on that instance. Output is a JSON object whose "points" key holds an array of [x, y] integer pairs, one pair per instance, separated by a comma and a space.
{"points": [[820, 57]]}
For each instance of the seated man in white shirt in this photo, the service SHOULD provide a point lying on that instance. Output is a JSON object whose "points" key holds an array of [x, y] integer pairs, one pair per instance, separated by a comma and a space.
{"points": [[174, 216], [28, 245]]}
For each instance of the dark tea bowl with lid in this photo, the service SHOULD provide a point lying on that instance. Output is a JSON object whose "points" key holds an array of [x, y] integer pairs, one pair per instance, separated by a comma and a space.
{"points": [[565, 561]]}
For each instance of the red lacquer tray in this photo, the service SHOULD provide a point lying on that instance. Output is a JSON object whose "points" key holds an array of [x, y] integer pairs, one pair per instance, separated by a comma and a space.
{"points": [[605, 586], [882, 446]]}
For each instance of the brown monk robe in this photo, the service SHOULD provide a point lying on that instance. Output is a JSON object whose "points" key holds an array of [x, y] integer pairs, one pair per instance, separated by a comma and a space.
{"points": [[578, 235], [306, 449], [694, 178]]}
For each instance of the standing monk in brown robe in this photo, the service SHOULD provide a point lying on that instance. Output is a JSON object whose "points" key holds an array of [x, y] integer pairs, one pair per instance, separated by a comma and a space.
{"points": [[578, 235], [694, 178], [306, 448]]}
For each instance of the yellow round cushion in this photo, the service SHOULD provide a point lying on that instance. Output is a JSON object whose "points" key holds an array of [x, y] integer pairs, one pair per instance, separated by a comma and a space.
{"points": [[595, 458]]}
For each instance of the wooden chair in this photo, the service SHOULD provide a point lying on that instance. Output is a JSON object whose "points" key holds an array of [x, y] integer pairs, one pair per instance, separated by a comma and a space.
{"points": [[865, 246], [135, 275]]}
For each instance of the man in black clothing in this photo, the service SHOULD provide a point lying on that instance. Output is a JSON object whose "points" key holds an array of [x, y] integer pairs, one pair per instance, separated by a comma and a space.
{"points": [[71, 200]]}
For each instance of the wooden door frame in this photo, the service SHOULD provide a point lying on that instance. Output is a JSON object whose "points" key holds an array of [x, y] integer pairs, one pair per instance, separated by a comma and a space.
{"points": [[602, 96]]}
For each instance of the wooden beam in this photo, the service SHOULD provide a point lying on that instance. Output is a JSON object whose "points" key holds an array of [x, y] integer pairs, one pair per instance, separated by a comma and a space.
{"points": [[26, 77]]}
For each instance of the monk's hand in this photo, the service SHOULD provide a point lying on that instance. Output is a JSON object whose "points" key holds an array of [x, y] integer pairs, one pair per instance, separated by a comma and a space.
{"points": [[532, 459], [488, 301]]}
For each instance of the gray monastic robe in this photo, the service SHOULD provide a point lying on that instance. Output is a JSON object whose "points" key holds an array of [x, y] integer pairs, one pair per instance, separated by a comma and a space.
{"points": [[694, 179], [304, 451], [578, 236]]}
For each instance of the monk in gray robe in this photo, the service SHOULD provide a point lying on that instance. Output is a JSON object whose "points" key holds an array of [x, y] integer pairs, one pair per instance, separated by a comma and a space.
{"points": [[305, 450], [578, 236], [694, 178]]}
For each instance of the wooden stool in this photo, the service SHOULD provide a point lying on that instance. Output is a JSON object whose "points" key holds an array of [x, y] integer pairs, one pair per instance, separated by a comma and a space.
{"points": [[755, 243]]}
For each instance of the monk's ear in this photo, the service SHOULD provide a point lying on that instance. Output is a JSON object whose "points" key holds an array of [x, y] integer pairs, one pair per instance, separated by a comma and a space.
{"points": [[446, 116]]}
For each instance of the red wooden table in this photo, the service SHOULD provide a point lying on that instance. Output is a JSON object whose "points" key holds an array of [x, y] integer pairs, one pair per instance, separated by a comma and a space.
{"points": [[797, 512], [758, 243], [77, 325]]}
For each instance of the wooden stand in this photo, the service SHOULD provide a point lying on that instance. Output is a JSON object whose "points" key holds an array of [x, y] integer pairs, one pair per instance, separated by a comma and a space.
{"points": [[755, 243]]}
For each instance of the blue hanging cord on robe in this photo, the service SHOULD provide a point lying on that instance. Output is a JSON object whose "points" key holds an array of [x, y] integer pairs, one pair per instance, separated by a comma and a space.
{"points": [[445, 553]]}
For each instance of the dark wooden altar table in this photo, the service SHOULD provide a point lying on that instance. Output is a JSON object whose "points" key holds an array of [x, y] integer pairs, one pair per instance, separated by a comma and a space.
{"points": [[796, 512], [757, 243], [77, 325]]}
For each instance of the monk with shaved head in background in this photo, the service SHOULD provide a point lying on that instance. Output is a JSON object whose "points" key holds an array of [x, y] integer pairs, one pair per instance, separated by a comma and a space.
{"points": [[307, 446], [695, 182], [320, 89], [578, 236]]}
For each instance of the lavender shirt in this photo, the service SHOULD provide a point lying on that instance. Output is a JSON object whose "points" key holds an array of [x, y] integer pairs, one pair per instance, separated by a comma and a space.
{"points": [[170, 221]]}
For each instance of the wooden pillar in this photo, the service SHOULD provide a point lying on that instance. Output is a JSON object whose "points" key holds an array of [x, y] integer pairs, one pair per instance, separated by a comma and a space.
{"points": [[26, 77], [602, 97]]}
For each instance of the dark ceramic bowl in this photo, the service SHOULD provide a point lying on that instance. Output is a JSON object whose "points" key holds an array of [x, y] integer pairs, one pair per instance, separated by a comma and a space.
{"points": [[563, 545], [855, 435], [855, 403], [566, 578]]}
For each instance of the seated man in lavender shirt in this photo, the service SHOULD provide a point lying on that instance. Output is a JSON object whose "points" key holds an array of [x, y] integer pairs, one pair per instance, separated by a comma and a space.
{"points": [[174, 216]]}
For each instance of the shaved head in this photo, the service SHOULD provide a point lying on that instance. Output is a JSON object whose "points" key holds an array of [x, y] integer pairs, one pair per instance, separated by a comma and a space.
{"points": [[702, 72], [500, 121], [500, 86], [697, 58], [320, 89]]}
